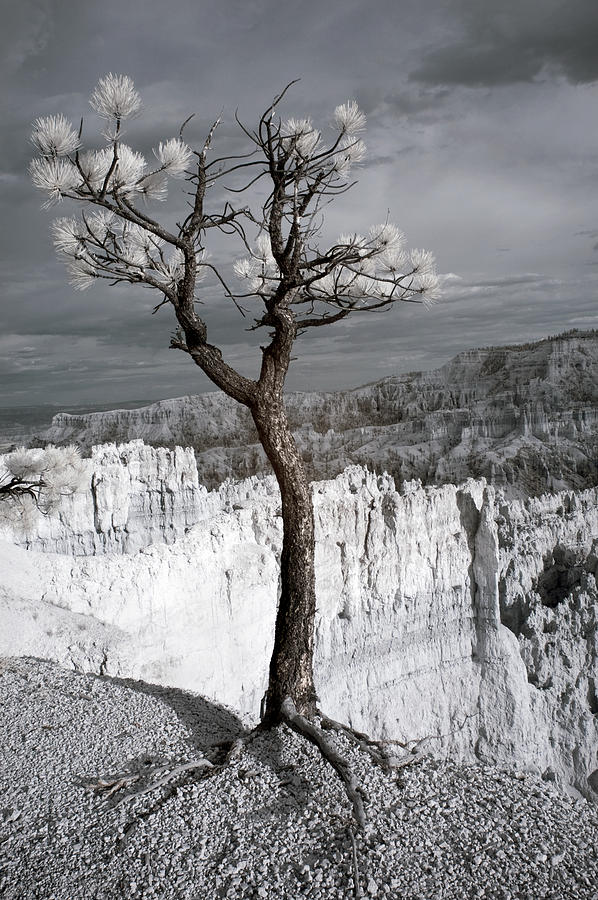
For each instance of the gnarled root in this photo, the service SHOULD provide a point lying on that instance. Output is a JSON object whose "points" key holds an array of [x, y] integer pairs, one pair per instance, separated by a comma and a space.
{"points": [[307, 729], [229, 752], [161, 776], [378, 750]]}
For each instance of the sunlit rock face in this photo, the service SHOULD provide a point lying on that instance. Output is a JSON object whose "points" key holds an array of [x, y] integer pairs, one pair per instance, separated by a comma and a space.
{"points": [[446, 612], [135, 495], [525, 418]]}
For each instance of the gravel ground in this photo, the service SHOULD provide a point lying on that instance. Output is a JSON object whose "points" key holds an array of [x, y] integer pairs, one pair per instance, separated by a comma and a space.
{"points": [[274, 824]]}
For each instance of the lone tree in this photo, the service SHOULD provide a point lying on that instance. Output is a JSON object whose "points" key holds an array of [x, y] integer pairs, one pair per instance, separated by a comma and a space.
{"points": [[295, 284]]}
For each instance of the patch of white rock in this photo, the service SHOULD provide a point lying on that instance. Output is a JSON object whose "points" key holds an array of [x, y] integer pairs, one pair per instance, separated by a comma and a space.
{"points": [[444, 614]]}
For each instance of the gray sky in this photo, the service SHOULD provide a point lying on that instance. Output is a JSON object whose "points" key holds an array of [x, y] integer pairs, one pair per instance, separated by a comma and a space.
{"points": [[483, 147]]}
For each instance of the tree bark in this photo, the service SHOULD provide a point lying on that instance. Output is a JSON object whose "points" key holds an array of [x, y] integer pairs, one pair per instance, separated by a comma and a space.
{"points": [[291, 664]]}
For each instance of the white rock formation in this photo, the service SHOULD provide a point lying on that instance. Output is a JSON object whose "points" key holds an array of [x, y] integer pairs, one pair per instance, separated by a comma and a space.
{"points": [[523, 417], [441, 611], [136, 495]]}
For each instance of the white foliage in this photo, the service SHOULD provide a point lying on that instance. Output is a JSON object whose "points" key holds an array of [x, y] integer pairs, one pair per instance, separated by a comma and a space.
{"points": [[102, 222], [377, 268], [170, 270], [54, 136], [352, 241], [263, 251], [67, 236], [422, 262], [24, 464], [83, 273], [55, 176], [128, 170], [141, 249], [246, 268], [386, 238], [325, 286], [137, 236], [127, 174], [70, 238], [350, 152], [301, 137], [133, 255], [393, 262], [429, 287], [20, 515], [101, 246], [115, 97], [260, 271], [36, 481], [349, 119], [94, 165], [174, 156], [153, 186]]}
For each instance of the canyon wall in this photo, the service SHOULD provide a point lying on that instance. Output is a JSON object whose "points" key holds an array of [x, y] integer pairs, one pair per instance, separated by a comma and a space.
{"points": [[444, 613], [133, 495]]}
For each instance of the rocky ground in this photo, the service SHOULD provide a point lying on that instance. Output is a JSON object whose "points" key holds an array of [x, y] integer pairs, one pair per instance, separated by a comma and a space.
{"points": [[274, 824]]}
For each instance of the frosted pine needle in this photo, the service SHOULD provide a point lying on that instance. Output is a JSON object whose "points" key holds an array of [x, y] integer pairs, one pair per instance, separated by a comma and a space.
{"points": [[54, 176], [153, 186], [101, 222], [349, 119], [174, 156], [67, 237], [128, 170], [83, 274], [245, 268], [169, 271], [301, 135], [94, 165], [429, 287], [350, 152], [423, 262], [386, 238], [54, 136], [115, 97]]}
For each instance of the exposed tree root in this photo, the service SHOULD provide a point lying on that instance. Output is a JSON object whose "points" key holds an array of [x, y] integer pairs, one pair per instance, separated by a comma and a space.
{"points": [[107, 787], [164, 774], [356, 881], [194, 765], [235, 748], [378, 750], [304, 727], [229, 752]]}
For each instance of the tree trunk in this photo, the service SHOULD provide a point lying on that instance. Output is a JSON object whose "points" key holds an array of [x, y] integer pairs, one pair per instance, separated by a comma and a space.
{"points": [[291, 665]]}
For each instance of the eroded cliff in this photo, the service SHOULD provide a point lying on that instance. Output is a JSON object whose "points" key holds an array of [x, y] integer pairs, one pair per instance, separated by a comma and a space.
{"points": [[524, 417], [445, 612]]}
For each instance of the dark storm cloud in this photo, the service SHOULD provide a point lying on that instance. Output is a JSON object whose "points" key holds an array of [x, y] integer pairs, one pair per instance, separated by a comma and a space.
{"points": [[465, 172], [516, 40]]}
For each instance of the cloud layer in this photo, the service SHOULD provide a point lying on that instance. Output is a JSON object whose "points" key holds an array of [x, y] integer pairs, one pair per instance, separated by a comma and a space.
{"points": [[483, 144]]}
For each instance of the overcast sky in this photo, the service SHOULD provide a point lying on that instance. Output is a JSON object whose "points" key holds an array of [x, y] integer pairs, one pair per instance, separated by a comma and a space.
{"points": [[483, 147]]}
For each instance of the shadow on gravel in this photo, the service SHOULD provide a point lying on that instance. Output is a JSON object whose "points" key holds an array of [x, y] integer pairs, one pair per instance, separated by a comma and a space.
{"points": [[269, 750], [211, 725], [211, 728], [208, 724]]}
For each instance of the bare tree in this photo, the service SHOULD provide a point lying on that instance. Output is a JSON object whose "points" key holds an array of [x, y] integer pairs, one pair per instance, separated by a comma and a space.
{"points": [[297, 284]]}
